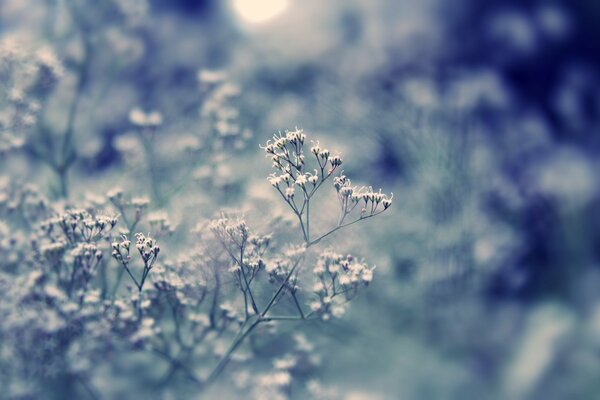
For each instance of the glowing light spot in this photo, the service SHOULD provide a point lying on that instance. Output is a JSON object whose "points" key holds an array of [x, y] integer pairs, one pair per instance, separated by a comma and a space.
{"points": [[257, 11]]}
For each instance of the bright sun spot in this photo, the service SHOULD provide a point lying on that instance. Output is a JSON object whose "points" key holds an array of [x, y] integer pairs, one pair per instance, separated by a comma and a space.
{"points": [[256, 11]]}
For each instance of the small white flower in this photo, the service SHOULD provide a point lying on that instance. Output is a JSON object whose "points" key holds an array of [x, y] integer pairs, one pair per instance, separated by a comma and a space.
{"points": [[289, 192], [211, 76], [337, 311], [344, 280], [318, 287], [301, 180], [142, 119], [319, 269], [140, 202]]}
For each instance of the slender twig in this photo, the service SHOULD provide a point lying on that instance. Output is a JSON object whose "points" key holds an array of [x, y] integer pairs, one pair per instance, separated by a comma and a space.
{"points": [[177, 364], [297, 304], [125, 265], [227, 356], [87, 387], [337, 228], [307, 219], [215, 299], [283, 285], [241, 263]]}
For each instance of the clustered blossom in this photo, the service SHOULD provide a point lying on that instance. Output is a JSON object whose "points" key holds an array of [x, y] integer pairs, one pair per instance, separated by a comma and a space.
{"points": [[220, 125], [286, 369], [23, 200], [337, 280], [142, 119], [130, 209], [218, 106], [160, 223], [147, 329], [10, 142], [147, 248], [28, 75], [79, 225], [219, 134], [232, 230], [288, 156], [352, 196], [121, 250], [69, 249], [280, 268], [298, 178]]}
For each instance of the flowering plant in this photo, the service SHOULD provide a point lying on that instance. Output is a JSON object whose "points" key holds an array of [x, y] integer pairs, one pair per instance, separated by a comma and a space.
{"points": [[195, 312]]}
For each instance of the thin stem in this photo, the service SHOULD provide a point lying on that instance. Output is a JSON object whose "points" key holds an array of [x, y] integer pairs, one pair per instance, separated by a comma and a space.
{"points": [[88, 388], [144, 276], [337, 228], [308, 219], [283, 284], [131, 275], [68, 157], [177, 364], [297, 304], [150, 160], [227, 357], [63, 179], [296, 211], [304, 231], [215, 300], [241, 263], [286, 318]]}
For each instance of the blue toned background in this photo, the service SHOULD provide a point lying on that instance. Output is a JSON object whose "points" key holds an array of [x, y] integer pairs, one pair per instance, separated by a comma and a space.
{"points": [[482, 117]]}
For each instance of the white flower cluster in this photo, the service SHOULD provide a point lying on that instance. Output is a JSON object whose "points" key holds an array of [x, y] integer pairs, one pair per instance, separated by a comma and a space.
{"points": [[131, 210], [24, 200], [86, 257], [143, 119], [70, 245], [288, 156], [53, 251], [79, 225], [337, 280], [160, 223], [351, 196], [30, 65], [185, 285], [121, 250], [218, 106], [28, 75], [280, 267], [299, 176], [10, 142], [147, 329], [86, 252], [233, 228], [147, 248]]}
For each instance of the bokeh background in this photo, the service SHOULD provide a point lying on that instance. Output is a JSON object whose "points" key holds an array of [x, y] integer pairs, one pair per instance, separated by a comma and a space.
{"points": [[481, 117]]}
